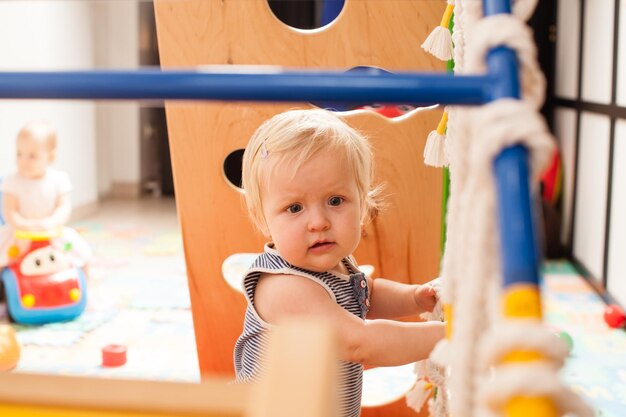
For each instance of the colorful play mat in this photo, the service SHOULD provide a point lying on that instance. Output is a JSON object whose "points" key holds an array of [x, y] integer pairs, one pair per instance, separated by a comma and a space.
{"points": [[138, 298], [596, 368]]}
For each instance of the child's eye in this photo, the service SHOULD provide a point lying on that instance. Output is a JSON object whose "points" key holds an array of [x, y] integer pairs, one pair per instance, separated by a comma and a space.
{"points": [[335, 201], [294, 208]]}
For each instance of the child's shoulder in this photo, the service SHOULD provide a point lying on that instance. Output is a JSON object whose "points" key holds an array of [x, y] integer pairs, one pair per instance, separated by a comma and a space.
{"points": [[11, 182], [286, 285], [60, 179], [269, 259], [56, 173]]}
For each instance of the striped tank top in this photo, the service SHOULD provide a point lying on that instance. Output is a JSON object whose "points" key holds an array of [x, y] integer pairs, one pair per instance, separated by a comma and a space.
{"points": [[349, 292]]}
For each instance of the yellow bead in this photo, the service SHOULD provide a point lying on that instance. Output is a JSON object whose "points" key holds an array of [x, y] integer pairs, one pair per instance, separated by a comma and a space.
{"points": [[522, 301], [74, 294], [530, 406], [13, 252], [447, 315], [9, 349], [522, 356], [28, 300]]}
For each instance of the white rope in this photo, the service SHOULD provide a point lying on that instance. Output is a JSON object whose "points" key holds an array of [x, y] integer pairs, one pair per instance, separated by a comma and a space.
{"points": [[506, 30], [524, 9], [536, 379], [470, 224], [521, 9], [504, 338], [449, 353], [504, 123], [471, 269], [455, 148], [439, 43], [493, 127]]}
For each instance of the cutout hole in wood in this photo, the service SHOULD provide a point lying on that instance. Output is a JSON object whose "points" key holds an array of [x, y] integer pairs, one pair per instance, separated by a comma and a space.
{"points": [[306, 14], [232, 167]]}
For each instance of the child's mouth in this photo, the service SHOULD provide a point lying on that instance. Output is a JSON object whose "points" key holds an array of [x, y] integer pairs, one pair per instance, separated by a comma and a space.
{"points": [[321, 245]]}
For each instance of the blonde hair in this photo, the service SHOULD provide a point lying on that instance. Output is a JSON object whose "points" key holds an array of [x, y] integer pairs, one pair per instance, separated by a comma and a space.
{"points": [[293, 137], [43, 132]]}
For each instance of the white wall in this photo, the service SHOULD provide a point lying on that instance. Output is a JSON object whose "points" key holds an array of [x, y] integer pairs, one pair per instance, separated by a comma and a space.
{"points": [[46, 35], [117, 47], [616, 271], [98, 142], [597, 68], [568, 27], [621, 56], [592, 179], [599, 251]]}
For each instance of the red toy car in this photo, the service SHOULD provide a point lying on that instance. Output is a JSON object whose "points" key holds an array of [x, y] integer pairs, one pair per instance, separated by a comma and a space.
{"points": [[41, 285]]}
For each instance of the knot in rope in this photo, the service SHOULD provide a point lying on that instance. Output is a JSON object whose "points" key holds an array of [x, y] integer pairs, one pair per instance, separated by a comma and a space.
{"points": [[504, 123], [506, 30]]}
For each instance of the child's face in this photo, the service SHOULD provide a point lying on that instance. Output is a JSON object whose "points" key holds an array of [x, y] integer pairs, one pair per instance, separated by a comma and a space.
{"points": [[33, 156], [314, 218]]}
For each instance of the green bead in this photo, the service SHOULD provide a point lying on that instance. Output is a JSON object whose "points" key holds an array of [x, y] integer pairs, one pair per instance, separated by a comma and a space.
{"points": [[67, 247], [564, 336]]}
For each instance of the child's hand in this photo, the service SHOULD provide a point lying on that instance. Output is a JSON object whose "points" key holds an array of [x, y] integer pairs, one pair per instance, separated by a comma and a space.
{"points": [[28, 225], [48, 224], [425, 297], [42, 225]]}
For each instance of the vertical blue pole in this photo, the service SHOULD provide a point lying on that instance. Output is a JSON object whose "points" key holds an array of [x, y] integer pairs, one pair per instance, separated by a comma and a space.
{"points": [[520, 260]]}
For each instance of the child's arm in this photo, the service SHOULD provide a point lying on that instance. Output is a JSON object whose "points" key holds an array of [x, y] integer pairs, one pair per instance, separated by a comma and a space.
{"points": [[12, 215], [371, 342], [392, 299], [60, 216]]}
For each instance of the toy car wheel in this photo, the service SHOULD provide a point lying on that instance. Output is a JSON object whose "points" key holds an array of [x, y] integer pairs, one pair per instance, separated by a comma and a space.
{"points": [[4, 300]]}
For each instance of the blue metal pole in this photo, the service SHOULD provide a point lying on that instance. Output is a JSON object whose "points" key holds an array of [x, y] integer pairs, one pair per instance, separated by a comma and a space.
{"points": [[239, 84], [520, 258]]}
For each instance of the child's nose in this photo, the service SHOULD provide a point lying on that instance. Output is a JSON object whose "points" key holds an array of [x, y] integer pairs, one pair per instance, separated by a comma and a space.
{"points": [[318, 221]]}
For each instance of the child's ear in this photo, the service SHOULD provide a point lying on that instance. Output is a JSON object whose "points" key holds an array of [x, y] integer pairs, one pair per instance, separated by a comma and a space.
{"points": [[52, 156]]}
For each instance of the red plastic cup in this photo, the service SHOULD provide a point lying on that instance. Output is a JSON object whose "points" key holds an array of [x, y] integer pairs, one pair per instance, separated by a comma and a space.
{"points": [[113, 355]]}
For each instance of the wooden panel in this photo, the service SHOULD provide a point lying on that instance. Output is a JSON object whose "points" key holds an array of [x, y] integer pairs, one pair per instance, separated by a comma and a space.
{"points": [[53, 395], [291, 387], [403, 243]]}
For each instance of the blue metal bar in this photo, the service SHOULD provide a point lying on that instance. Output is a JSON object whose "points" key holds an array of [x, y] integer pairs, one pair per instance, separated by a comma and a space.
{"points": [[520, 256], [266, 84]]}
